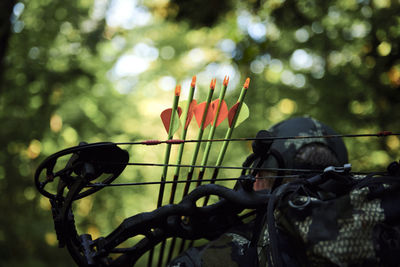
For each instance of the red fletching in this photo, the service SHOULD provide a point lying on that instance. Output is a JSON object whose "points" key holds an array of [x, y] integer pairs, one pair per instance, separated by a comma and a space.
{"points": [[199, 111], [223, 112], [231, 113], [166, 117], [191, 109]]}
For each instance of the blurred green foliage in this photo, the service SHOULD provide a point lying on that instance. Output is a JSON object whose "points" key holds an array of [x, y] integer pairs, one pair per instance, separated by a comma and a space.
{"points": [[103, 70]]}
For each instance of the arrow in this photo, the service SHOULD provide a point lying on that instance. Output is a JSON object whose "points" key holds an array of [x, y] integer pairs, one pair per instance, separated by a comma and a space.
{"points": [[221, 112], [171, 129], [200, 135], [168, 146], [217, 120], [229, 132], [188, 114]]}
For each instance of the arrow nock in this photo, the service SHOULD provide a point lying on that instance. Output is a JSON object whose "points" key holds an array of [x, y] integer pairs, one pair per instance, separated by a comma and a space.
{"points": [[246, 83]]}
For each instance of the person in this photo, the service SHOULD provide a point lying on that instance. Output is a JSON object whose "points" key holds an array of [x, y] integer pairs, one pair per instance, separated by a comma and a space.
{"points": [[247, 244], [297, 153]]}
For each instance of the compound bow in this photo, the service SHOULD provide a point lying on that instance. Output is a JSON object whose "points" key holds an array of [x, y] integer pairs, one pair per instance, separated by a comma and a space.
{"points": [[92, 167]]}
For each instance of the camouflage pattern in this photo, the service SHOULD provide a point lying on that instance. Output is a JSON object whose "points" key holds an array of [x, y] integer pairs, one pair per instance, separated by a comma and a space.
{"points": [[358, 228], [336, 232], [230, 249], [302, 126]]}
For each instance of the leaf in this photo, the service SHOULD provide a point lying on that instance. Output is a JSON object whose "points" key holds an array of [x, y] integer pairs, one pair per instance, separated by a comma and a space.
{"points": [[243, 114], [199, 111], [166, 118], [223, 112]]}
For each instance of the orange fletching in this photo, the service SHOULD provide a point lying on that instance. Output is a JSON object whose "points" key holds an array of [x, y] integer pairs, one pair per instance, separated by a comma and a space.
{"points": [[191, 109], [223, 112], [231, 113], [166, 117], [199, 111]]}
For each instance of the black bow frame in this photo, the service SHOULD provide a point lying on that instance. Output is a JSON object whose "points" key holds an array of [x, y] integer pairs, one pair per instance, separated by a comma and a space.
{"points": [[105, 162]]}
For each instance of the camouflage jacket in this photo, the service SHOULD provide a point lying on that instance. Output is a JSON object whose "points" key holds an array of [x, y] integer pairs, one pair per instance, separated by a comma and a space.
{"points": [[360, 227]]}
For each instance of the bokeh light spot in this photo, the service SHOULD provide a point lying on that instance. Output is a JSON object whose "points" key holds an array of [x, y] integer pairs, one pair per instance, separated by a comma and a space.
{"points": [[51, 238], [257, 66], [167, 52], [300, 59], [34, 149], [70, 135], [44, 203], [287, 106], [384, 49], [56, 123], [30, 193], [302, 35], [257, 31], [381, 3], [393, 142], [167, 83]]}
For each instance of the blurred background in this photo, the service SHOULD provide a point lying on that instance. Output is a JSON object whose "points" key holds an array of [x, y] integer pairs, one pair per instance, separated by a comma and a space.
{"points": [[103, 70]]}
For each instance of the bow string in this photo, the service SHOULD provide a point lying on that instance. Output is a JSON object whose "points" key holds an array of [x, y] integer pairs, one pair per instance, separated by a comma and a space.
{"points": [[92, 167]]}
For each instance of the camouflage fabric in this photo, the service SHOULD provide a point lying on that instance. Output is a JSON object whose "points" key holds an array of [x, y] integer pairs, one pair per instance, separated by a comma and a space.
{"points": [[288, 148], [360, 227], [230, 249], [351, 230]]}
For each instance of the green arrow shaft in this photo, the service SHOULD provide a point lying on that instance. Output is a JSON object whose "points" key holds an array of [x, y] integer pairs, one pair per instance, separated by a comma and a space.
{"points": [[199, 137], [182, 145], [168, 149], [184, 130], [229, 132], [211, 134]]}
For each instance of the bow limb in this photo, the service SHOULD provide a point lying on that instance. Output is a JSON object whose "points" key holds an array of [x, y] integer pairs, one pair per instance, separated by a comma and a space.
{"points": [[166, 221]]}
